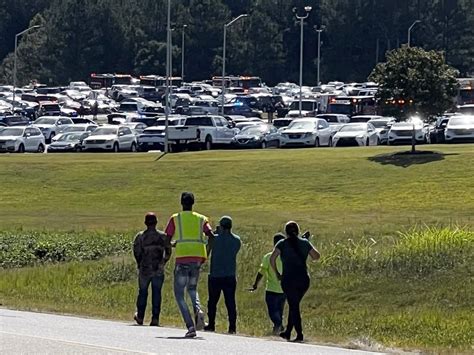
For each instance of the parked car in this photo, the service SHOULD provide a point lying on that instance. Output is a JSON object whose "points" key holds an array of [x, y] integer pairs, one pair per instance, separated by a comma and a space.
{"points": [[356, 134], [13, 120], [436, 132], [21, 139], [283, 122], [382, 126], [309, 108], [153, 137], [241, 110], [48, 108], [401, 132], [76, 128], [112, 138], [257, 136], [335, 120], [68, 142], [306, 132], [460, 128], [50, 125]]}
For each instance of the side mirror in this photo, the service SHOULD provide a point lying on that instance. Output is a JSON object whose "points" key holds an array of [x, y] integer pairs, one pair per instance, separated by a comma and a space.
{"points": [[320, 127], [121, 134], [27, 135]]}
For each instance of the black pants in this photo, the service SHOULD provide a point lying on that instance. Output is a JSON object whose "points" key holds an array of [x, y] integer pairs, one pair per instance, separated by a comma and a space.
{"points": [[156, 285], [226, 285], [275, 305], [295, 289]]}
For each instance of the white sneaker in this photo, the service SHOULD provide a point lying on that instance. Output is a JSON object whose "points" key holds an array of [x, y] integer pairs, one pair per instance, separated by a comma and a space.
{"points": [[200, 320]]}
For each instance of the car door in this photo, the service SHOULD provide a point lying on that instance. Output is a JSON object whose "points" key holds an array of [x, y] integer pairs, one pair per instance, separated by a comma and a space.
{"points": [[29, 140], [372, 134], [272, 137], [129, 137], [227, 132], [324, 132], [122, 139]]}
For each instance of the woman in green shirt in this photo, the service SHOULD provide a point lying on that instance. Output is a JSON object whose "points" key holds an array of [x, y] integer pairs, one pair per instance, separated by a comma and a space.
{"points": [[293, 252]]}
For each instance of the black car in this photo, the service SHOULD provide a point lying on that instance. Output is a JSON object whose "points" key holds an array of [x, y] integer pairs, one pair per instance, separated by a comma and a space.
{"points": [[257, 136], [68, 142], [436, 134], [14, 120], [241, 110]]}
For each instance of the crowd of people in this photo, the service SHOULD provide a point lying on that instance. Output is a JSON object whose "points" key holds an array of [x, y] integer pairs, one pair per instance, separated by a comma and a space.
{"points": [[192, 237]]}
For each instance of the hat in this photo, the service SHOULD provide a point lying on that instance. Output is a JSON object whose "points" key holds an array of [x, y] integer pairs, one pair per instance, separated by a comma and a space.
{"points": [[226, 222], [150, 219], [187, 198]]}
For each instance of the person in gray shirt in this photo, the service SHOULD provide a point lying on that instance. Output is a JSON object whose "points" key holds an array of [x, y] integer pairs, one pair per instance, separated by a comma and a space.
{"points": [[222, 277]]}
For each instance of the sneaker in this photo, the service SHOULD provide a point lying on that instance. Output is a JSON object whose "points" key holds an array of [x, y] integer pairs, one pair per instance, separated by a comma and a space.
{"points": [[209, 328], [200, 323], [277, 329], [191, 333], [285, 335], [138, 320], [154, 322]]}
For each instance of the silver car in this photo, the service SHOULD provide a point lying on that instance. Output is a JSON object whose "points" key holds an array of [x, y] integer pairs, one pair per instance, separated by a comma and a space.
{"points": [[312, 132], [21, 139], [460, 129]]}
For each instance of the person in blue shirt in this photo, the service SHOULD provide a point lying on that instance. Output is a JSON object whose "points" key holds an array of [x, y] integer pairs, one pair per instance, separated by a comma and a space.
{"points": [[222, 277], [293, 252]]}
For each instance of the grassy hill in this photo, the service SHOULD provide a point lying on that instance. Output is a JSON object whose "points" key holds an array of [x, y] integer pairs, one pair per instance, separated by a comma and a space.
{"points": [[373, 285]]}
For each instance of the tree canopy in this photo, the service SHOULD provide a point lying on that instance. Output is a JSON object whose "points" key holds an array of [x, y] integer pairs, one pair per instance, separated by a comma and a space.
{"points": [[127, 36]]}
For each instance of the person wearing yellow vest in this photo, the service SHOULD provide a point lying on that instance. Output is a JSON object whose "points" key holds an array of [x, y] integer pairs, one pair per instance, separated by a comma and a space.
{"points": [[190, 231], [274, 296]]}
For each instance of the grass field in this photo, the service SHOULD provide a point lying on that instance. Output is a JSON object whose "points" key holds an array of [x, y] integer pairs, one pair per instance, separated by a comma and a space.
{"points": [[412, 291]]}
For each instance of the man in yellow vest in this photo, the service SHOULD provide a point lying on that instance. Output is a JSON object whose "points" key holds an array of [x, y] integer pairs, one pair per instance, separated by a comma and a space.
{"points": [[190, 231]]}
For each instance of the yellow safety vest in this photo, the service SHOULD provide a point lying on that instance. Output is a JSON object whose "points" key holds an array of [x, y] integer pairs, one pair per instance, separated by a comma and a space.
{"points": [[189, 234]]}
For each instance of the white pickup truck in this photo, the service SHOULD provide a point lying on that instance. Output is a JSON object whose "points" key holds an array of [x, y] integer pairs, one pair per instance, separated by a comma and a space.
{"points": [[202, 131]]}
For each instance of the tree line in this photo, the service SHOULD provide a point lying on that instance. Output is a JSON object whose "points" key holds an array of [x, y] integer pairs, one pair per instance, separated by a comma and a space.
{"points": [[78, 37]]}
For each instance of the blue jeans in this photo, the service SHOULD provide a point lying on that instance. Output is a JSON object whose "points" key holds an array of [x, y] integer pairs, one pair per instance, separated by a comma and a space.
{"points": [[156, 285], [186, 277], [275, 305]]}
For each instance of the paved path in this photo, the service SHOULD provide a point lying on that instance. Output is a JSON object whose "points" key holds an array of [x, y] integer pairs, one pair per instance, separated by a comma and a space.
{"points": [[39, 333]]}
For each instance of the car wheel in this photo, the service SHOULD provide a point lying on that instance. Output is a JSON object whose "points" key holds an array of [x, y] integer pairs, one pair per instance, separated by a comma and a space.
{"points": [[378, 141], [208, 143], [78, 149], [316, 142], [133, 148], [330, 142], [263, 145], [51, 136], [40, 148], [21, 148], [115, 148]]}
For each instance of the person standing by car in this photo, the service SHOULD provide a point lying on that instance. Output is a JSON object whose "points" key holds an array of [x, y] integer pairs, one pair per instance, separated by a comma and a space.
{"points": [[189, 229], [274, 296], [151, 250], [222, 277], [294, 279]]}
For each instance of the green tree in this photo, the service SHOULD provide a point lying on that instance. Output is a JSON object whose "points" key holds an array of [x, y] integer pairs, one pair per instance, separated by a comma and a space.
{"points": [[419, 77]]}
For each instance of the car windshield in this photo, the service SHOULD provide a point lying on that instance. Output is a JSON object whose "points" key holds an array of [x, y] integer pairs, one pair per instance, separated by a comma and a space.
{"points": [[461, 121], [379, 123], [105, 131], [45, 120], [74, 129], [257, 129], [69, 137], [302, 125], [329, 118], [353, 128], [305, 106], [11, 132]]}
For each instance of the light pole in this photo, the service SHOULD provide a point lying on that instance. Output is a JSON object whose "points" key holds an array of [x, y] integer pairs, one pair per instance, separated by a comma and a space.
{"points": [[182, 52], [14, 57], [307, 9], [168, 70], [223, 58], [319, 53], [409, 31]]}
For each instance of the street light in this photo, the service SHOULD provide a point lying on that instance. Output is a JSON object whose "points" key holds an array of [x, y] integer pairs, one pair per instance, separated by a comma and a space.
{"points": [[319, 52], [168, 70], [223, 58], [307, 9], [182, 52], [409, 31], [14, 60]]}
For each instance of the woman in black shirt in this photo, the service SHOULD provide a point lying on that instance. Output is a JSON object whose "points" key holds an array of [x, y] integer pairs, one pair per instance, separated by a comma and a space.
{"points": [[293, 252]]}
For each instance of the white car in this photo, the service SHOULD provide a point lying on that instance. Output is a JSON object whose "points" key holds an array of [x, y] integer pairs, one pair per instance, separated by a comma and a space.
{"points": [[51, 125], [309, 108], [21, 139], [77, 127], [306, 132], [382, 126], [401, 133], [356, 134], [112, 138], [460, 129]]}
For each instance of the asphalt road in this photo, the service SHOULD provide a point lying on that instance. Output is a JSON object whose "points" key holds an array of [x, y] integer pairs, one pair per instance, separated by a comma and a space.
{"points": [[39, 333]]}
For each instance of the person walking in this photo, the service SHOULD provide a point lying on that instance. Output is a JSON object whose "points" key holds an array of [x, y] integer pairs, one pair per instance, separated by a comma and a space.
{"points": [[151, 250], [222, 277], [189, 230], [294, 279], [274, 296]]}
